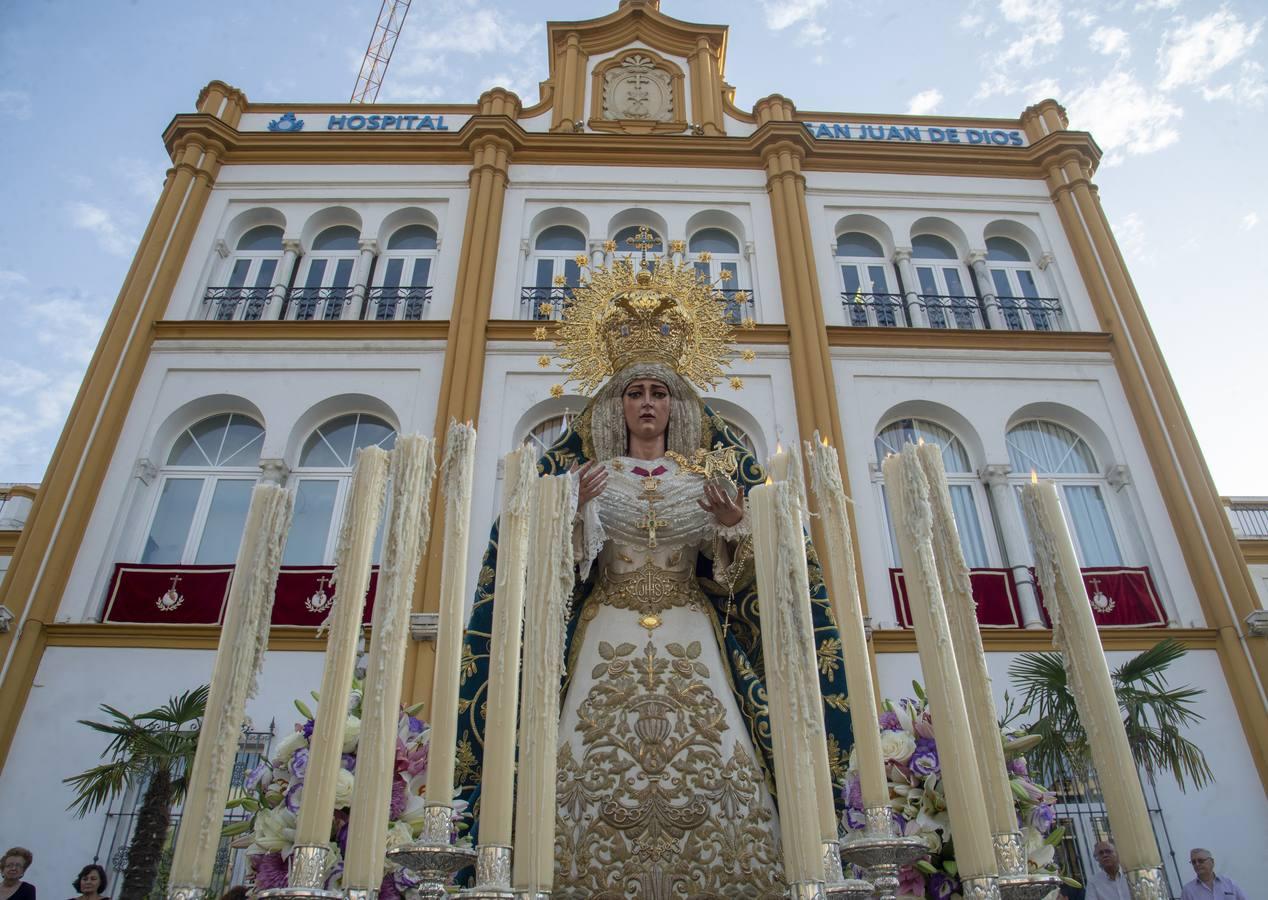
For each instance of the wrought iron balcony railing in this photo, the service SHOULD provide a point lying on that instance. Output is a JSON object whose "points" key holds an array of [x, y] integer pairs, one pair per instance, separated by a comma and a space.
{"points": [[408, 304], [225, 304], [1249, 517], [309, 303], [543, 303], [952, 311]]}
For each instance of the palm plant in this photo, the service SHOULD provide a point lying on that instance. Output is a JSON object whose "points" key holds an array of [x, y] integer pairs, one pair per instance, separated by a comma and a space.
{"points": [[155, 749], [1153, 714]]}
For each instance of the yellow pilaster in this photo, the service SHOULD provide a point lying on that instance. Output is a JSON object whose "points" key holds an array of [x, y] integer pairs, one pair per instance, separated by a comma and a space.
{"points": [[493, 139]]}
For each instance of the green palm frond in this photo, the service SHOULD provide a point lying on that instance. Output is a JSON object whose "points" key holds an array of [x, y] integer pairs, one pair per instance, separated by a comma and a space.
{"points": [[1154, 714], [95, 787]]}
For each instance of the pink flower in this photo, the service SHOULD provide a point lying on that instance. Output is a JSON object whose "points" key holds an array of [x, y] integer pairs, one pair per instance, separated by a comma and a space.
{"points": [[398, 800], [270, 871], [911, 883]]}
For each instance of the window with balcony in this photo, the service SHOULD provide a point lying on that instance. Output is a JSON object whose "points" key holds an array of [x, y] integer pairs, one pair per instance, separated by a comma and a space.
{"points": [[324, 286], [203, 491], [718, 260], [868, 287], [1054, 451], [943, 284], [402, 280], [1016, 285], [966, 487], [554, 271], [244, 291], [321, 481]]}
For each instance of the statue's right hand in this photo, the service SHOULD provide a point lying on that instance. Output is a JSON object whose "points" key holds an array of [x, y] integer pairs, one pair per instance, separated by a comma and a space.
{"points": [[593, 479]]}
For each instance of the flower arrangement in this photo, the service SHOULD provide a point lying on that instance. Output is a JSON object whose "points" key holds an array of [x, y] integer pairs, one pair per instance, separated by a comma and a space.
{"points": [[275, 786], [920, 808]]}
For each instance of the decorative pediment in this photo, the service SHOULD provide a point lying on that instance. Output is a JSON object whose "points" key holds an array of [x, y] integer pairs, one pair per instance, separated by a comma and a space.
{"points": [[637, 92]]}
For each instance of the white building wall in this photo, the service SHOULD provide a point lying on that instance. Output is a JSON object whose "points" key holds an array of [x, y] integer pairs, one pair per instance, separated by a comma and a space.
{"points": [[71, 684]]}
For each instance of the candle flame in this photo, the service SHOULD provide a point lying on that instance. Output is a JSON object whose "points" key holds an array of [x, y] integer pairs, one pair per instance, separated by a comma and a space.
{"points": [[768, 481], [920, 442], [1034, 479], [825, 441], [779, 447]]}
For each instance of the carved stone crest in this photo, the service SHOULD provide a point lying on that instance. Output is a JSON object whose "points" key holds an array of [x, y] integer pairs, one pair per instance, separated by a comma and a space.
{"points": [[638, 89]]}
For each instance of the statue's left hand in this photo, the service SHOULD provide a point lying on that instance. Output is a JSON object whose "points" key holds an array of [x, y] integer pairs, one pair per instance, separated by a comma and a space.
{"points": [[722, 504]]}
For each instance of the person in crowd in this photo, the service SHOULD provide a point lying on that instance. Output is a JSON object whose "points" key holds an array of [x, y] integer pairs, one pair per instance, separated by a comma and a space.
{"points": [[15, 862], [90, 883], [1110, 881], [1207, 885], [237, 892]]}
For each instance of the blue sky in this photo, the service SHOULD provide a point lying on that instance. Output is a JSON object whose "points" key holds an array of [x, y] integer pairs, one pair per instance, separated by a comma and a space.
{"points": [[1175, 92]]}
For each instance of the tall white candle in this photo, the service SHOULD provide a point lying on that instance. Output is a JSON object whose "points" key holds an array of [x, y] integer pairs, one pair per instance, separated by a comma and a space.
{"points": [[550, 581], [908, 493], [243, 639], [412, 470], [1075, 635], [497, 786], [795, 704], [353, 559], [456, 473], [847, 610], [957, 592]]}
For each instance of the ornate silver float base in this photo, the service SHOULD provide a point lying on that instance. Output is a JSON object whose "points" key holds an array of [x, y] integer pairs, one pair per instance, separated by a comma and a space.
{"points": [[185, 892], [880, 851], [309, 866], [434, 858], [984, 887], [532, 895], [493, 874], [1027, 887], [837, 886], [806, 890], [362, 894], [1146, 884]]}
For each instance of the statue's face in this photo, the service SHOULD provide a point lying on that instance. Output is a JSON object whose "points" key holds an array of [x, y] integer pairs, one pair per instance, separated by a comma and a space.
{"points": [[646, 404]]}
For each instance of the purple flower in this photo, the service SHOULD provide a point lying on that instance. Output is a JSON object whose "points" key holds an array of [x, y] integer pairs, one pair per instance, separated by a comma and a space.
{"points": [[299, 762], [855, 820], [925, 760], [270, 871], [335, 874], [293, 796], [1017, 765], [942, 885], [852, 793], [1043, 817], [398, 800], [308, 729], [901, 822], [911, 882], [349, 761], [889, 721], [341, 838], [388, 889], [258, 776]]}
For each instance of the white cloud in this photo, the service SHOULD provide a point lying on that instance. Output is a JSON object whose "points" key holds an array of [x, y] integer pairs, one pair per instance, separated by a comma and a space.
{"points": [[924, 103], [1192, 54], [1111, 42], [999, 84], [1130, 233], [1084, 17], [1124, 116], [1250, 220], [1146, 5], [143, 179], [1041, 30], [101, 223], [782, 13], [15, 103]]}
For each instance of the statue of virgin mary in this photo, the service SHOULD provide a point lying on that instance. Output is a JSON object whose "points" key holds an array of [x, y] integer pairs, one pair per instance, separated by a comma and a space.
{"points": [[665, 774]]}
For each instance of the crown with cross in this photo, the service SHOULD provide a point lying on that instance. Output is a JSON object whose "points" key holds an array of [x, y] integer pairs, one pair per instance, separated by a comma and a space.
{"points": [[650, 309]]}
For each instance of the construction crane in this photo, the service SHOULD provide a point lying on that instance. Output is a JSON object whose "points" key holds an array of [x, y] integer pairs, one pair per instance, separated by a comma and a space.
{"points": [[379, 53]]}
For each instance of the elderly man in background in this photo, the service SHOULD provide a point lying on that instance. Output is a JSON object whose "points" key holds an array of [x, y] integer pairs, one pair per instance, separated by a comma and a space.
{"points": [[1208, 885], [1110, 883]]}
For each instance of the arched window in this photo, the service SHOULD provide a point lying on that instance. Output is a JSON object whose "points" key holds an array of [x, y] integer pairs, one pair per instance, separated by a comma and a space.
{"points": [[326, 279], [964, 484], [944, 284], [868, 287], [1056, 452], [723, 266], [544, 434], [402, 280], [204, 489], [555, 270], [322, 478], [244, 292], [1017, 287], [630, 233]]}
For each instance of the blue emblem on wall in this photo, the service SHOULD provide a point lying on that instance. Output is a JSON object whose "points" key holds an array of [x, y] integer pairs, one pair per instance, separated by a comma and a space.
{"points": [[288, 122]]}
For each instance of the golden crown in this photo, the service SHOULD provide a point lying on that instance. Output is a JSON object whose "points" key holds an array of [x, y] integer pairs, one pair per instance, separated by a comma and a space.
{"points": [[649, 310]]}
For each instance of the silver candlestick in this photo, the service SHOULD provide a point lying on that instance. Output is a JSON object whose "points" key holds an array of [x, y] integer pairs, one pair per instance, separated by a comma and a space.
{"points": [[1147, 884], [806, 890], [434, 858], [306, 876], [837, 885], [186, 892], [493, 874], [1015, 881], [880, 850]]}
